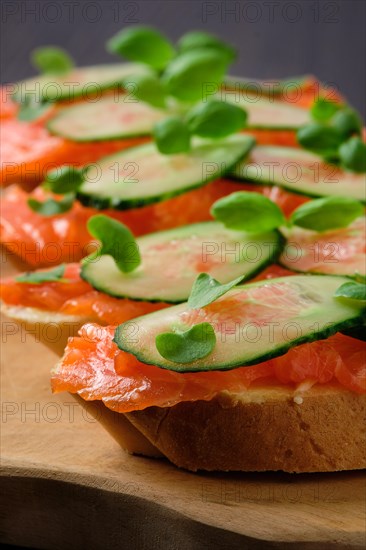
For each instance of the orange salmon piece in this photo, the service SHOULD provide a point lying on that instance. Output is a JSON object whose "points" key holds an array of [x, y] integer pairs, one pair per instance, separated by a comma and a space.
{"points": [[29, 151], [42, 241], [96, 369], [74, 297], [77, 297], [8, 108]]}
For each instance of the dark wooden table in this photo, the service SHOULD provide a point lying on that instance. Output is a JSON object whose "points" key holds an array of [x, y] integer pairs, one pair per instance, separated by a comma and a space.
{"points": [[275, 38]]}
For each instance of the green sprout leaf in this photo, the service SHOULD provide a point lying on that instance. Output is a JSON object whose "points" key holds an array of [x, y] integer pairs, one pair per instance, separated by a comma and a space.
{"points": [[31, 110], [352, 291], [206, 290], [216, 119], [51, 207], [49, 276], [51, 60], [172, 136], [117, 241], [147, 88], [347, 122], [248, 211], [324, 140], [323, 110], [352, 154], [327, 213], [65, 179], [188, 346], [188, 74], [144, 44], [199, 39]]}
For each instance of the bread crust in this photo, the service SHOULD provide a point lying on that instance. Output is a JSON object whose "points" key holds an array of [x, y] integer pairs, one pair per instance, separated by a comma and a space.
{"points": [[319, 430], [120, 428]]}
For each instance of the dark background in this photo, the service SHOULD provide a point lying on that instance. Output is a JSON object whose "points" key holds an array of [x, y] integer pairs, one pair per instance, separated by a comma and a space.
{"points": [[275, 38]]}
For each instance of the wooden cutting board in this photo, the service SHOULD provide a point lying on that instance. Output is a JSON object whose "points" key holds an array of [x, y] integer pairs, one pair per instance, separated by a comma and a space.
{"points": [[65, 483]]}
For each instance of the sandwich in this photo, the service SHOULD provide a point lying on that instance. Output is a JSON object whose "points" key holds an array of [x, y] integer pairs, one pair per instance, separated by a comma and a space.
{"points": [[296, 398], [269, 375], [302, 411]]}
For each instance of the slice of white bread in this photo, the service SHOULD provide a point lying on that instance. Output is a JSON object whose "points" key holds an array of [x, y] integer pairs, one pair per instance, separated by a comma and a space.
{"points": [[322, 429], [268, 428], [49, 327]]}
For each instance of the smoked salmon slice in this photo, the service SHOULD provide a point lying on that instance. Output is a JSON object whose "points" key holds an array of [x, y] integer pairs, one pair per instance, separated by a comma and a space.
{"points": [[74, 297], [29, 151], [42, 241], [309, 91], [93, 367], [8, 108]]}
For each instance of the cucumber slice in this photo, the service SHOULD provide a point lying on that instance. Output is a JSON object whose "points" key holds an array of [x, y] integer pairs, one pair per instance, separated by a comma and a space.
{"points": [[265, 113], [252, 323], [299, 171], [79, 82], [336, 252], [171, 261], [141, 175], [111, 117]]}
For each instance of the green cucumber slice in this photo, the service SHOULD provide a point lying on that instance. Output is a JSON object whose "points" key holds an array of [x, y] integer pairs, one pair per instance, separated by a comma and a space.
{"points": [[301, 172], [252, 322], [111, 117], [172, 259], [79, 82], [141, 175], [265, 113], [336, 252]]}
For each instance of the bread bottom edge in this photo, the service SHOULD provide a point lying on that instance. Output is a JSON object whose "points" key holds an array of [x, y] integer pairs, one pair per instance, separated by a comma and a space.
{"points": [[120, 428], [323, 431]]}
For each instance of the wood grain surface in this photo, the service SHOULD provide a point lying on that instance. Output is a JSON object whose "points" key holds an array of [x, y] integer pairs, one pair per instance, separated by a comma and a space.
{"points": [[65, 483]]}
